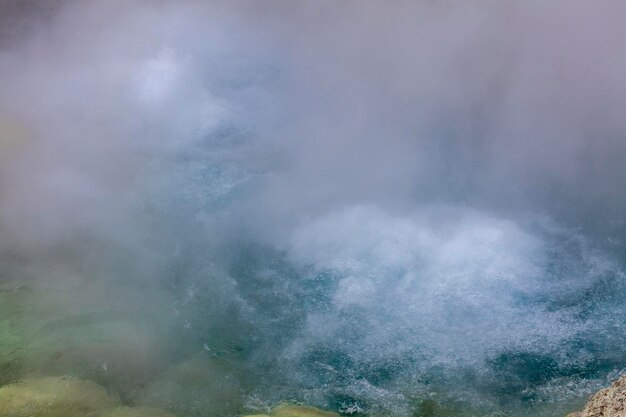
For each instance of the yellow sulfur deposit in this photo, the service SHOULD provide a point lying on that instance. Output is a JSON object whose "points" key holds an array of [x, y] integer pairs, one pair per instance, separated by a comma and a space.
{"points": [[63, 397], [54, 397], [296, 411], [301, 411], [137, 412]]}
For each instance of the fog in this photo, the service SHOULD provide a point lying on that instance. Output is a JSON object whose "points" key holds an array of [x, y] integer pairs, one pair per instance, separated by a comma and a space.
{"points": [[512, 107], [414, 187]]}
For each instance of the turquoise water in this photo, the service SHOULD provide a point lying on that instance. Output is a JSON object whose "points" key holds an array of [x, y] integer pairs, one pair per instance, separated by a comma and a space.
{"points": [[242, 331], [204, 304]]}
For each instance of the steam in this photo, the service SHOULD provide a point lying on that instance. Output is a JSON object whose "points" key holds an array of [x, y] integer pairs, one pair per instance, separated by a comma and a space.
{"points": [[423, 182], [499, 105]]}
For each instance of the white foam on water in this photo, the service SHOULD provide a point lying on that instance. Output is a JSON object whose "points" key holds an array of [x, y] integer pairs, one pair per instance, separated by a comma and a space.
{"points": [[443, 289]]}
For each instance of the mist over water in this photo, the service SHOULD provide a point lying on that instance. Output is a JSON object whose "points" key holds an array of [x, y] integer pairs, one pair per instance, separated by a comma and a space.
{"points": [[357, 205]]}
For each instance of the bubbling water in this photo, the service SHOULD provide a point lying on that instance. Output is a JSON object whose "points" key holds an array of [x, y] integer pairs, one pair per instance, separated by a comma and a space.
{"points": [[368, 310]]}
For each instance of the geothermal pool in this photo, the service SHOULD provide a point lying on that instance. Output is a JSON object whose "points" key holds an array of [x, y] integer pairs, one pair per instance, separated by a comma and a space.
{"points": [[409, 209], [363, 313]]}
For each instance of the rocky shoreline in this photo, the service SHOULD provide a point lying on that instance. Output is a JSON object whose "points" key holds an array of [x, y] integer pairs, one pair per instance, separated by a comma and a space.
{"points": [[65, 397], [70, 397], [608, 402]]}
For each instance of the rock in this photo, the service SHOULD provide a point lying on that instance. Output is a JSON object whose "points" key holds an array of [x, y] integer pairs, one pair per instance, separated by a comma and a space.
{"points": [[54, 397], [137, 412], [301, 411], [608, 402], [287, 410]]}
